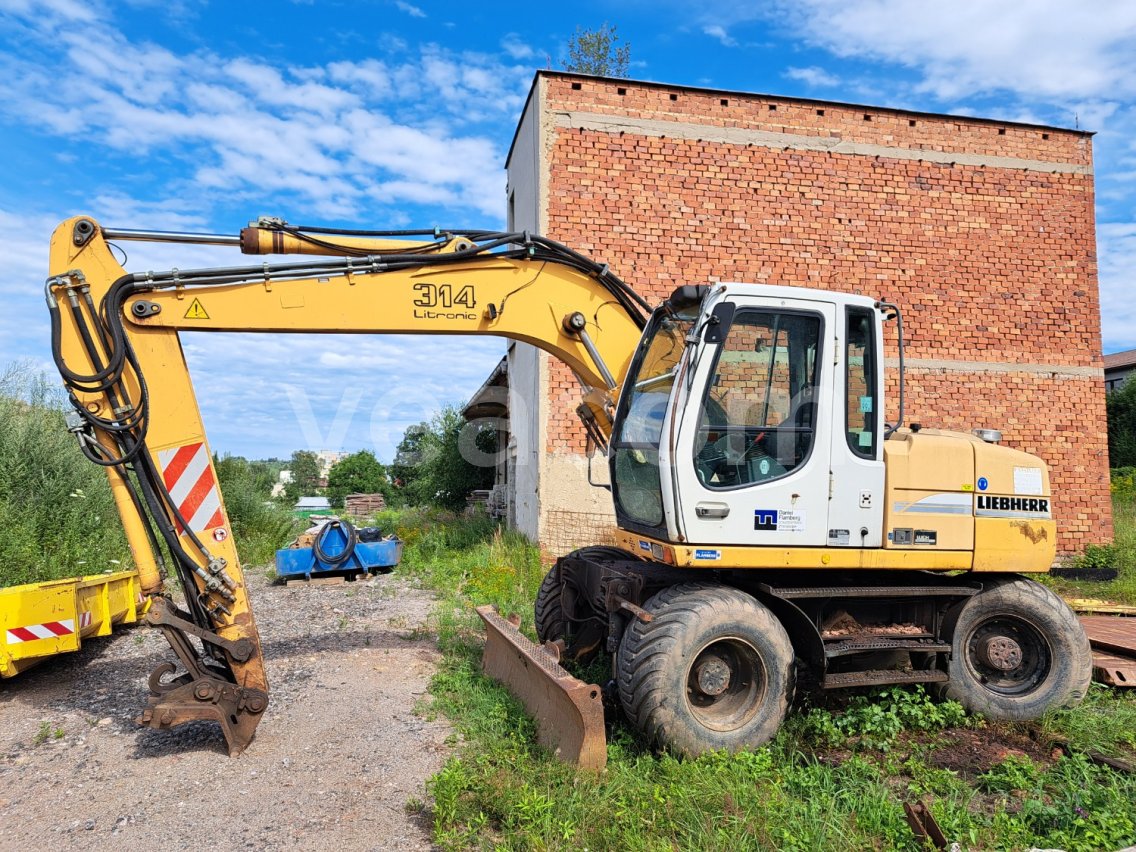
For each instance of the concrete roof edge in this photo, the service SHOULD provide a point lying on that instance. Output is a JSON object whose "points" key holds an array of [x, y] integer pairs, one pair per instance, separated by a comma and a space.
{"points": [[543, 72], [499, 371], [521, 117]]}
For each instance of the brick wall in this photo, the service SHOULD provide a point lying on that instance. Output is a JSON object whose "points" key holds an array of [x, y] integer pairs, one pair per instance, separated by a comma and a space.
{"points": [[983, 233]]}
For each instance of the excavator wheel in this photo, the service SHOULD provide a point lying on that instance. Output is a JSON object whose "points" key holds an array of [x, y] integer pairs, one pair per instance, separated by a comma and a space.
{"points": [[548, 611], [713, 669], [1017, 650]]}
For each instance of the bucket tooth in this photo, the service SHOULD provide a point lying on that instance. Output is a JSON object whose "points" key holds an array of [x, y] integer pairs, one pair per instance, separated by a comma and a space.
{"points": [[568, 712]]}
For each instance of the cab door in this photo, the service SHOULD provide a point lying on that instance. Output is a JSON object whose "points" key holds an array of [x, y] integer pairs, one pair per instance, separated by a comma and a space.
{"points": [[751, 457], [856, 510]]}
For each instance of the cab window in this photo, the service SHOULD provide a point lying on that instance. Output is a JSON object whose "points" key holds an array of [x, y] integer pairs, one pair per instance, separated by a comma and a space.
{"points": [[758, 417], [861, 394]]}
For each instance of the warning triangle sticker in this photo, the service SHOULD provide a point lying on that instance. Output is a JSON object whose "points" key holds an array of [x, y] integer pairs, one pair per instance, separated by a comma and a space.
{"points": [[196, 311]]}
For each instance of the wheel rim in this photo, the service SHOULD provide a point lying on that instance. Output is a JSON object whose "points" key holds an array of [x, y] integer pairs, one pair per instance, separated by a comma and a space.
{"points": [[1008, 655], [725, 684]]}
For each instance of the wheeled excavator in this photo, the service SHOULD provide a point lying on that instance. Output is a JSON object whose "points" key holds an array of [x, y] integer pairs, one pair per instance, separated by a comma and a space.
{"points": [[771, 526]]}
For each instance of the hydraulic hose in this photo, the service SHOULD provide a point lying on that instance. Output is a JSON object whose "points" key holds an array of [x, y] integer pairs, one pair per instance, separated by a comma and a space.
{"points": [[348, 551]]}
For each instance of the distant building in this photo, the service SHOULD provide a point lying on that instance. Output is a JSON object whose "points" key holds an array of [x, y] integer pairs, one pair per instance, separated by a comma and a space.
{"points": [[282, 480], [328, 459], [1118, 367], [309, 505], [490, 407]]}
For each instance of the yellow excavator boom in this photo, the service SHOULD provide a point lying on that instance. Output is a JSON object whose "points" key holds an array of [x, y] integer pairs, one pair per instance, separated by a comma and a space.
{"points": [[115, 340]]}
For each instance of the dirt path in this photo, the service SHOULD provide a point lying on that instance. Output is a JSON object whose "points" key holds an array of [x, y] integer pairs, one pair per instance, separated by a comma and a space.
{"points": [[337, 758]]}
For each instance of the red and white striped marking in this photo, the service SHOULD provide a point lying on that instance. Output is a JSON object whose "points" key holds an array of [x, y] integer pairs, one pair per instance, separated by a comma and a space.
{"points": [[192, 486], [48, 630], [85, 620]]}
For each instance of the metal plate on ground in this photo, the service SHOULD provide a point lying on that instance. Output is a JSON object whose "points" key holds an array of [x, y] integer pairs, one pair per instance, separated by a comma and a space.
{"points": [[1113, 640]]}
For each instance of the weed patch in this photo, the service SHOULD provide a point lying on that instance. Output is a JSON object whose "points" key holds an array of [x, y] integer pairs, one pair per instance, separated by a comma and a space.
{"points": [[1119, 554], [56, 510]]}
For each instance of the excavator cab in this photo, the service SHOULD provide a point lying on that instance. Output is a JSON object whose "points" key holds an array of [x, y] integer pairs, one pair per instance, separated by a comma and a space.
{"points": [[737, 411]]}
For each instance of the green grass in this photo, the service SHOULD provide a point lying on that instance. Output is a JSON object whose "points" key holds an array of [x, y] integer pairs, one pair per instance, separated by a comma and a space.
{"points": [[1121, 555], [1104, 722], [832, 779], [57, 515]]}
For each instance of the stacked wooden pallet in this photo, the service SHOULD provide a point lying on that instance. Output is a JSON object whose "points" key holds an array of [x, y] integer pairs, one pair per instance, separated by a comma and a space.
{"points": [[361, 505]]}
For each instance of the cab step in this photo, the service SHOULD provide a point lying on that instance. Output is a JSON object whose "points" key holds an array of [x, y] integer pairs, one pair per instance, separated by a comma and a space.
{"points": [[880, 677], [856, 646], [800, 592]]}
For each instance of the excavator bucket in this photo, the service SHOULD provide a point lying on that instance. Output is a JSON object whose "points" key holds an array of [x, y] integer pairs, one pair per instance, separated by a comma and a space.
{"points": [[568, 712]]}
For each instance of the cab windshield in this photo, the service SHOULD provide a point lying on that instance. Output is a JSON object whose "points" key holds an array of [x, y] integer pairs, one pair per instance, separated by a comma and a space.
{"points": [[635, 446]]}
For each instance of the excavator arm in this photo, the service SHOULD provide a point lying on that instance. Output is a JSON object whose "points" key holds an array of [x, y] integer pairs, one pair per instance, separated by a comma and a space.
{"points": [[115, 342]]}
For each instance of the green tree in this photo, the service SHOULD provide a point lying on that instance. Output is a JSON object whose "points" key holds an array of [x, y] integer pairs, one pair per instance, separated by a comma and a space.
{"points": [[440, 462], [1122, 425], [595, 52], [358, 473], [405, 471], [305, 469]]}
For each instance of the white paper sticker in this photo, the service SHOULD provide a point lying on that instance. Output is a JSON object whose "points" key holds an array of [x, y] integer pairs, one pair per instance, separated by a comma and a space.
{"points": [[790, 521], [1027, 480]]}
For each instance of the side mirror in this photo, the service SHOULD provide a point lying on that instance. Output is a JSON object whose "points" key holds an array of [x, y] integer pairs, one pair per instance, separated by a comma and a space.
{"points": [[719, 322]]}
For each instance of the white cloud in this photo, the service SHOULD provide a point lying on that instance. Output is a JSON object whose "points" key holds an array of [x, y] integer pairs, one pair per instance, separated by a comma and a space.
{"points": [[1116, 243], [364, 390], [336, 137], [516, 48], [409, 8], [1036, 48], [71, 11], [719, 32], [813, 76]]}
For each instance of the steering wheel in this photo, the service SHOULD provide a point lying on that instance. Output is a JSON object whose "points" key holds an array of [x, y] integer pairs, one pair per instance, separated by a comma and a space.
{"points": [[735, 459]]}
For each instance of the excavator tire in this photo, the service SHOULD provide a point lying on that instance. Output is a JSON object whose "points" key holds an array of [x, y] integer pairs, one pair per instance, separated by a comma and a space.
{"points": [[548, 612], [712, 670], [1017, 650]]}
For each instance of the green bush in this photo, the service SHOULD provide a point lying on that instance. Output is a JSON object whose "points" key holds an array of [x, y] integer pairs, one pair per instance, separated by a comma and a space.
{"points": [[1096, 557], [1123, 481], [1121, 405], [358, 473], [260, 526], [57, 515]]}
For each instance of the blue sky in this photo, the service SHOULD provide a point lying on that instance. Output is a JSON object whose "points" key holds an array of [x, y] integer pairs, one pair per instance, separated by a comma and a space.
{"points": [[185, 114]]}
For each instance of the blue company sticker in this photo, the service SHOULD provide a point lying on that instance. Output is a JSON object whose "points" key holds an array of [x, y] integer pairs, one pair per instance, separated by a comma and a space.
{"points": [[765, 519], [983, 483], [702, 553], [645, 545]]}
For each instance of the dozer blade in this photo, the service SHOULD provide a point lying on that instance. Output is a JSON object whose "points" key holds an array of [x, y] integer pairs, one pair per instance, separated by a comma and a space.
{"points": [[568, 712]]}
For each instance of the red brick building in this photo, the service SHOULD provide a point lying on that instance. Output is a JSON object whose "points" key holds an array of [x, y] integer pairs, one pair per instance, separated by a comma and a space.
{"points": [[982, 231]]}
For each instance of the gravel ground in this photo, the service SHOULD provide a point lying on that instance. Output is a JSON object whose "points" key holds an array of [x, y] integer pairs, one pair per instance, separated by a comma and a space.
{"points": [[339, 761]]}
